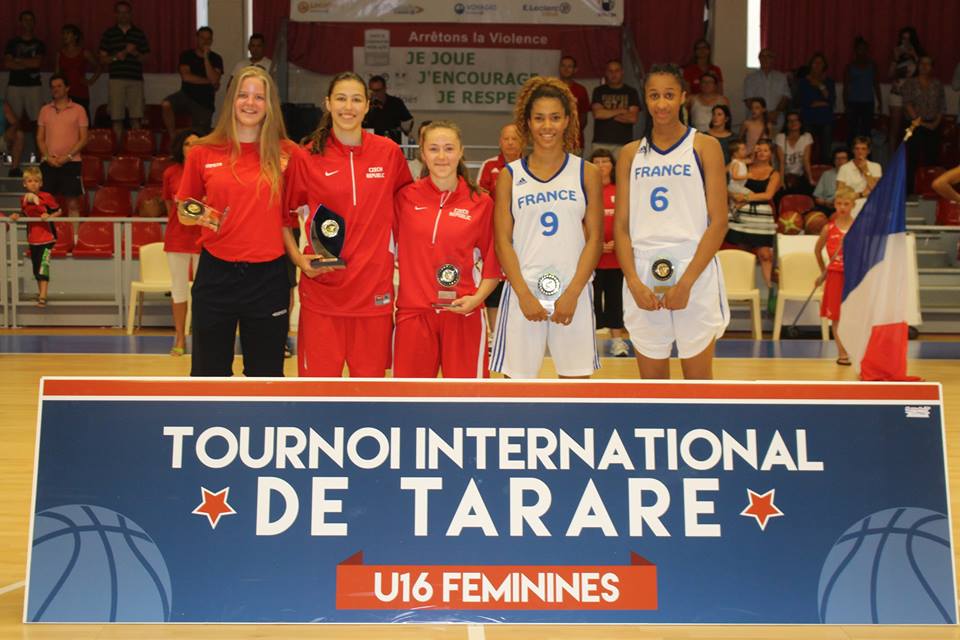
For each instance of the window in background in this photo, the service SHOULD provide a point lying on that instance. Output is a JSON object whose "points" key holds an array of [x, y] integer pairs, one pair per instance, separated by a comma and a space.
{"points": [[753, 34]]}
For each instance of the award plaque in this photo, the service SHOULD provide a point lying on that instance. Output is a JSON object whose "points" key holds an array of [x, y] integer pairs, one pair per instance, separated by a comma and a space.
{"points": [[196, 210], [448, 277], [664, 275], [549, 289], [326, 238]]}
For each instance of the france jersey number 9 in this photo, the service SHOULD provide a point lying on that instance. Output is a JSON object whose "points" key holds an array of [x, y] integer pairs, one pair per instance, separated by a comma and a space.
{"points": [[658, 199], [550, 223]]}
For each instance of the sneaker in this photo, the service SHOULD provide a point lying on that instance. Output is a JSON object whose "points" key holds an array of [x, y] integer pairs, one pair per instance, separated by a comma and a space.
{"points": [[619, 348], [772, 301], [15, 172]]}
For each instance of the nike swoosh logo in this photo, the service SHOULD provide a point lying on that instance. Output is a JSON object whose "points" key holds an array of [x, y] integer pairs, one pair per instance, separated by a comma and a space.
{"points": [[419, 208], [330, 173]]}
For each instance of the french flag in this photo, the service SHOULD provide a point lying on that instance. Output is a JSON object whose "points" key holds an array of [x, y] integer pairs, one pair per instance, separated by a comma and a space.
{"points": [[880, 300]]}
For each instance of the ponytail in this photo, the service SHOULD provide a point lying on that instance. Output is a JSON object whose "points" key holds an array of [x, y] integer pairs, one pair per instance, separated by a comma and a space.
{"points": [[318, 139]]}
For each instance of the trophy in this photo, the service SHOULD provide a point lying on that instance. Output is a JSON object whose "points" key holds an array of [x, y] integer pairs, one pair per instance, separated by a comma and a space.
{"points": [[448, 277], [548, 290], [196, 210], [326, 238], [664, 275]]}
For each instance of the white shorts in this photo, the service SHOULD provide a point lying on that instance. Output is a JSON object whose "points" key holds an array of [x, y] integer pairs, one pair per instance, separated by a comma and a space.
{"points": [[693, 328], [519, 344], [180, 264]]}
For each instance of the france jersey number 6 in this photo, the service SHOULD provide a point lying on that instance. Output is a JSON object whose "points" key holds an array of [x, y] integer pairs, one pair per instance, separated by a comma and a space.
{"points": [[658, 199]]}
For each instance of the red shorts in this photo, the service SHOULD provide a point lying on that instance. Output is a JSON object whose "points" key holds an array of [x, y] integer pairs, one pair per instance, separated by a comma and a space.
{"points": [[832, 296], [427, 342], [325, 343]]}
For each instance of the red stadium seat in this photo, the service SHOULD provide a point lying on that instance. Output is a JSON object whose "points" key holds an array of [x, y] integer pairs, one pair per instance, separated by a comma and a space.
{"points": [[146, 194], [145, 233], [92, 172], [158, 164], [126, 171], [164, 146], [101, 143], [948, 213], [153, 117], [65, 241], [817, 170], [94, 240], [112, 201], [923, 182], [73, 206], [796, 202], [140, 143]]}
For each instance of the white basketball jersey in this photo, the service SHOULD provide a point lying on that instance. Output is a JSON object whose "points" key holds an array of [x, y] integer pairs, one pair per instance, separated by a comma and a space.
{"points": [[668, 206], [548, 219]]}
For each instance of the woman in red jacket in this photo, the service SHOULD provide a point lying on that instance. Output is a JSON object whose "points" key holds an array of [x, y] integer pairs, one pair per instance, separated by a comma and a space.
{"points": [[444, 225], [238, 170], [346, 314]]}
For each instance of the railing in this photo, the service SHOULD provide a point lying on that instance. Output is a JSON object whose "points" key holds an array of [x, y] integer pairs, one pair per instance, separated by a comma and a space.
{"points": [[122, 268]]}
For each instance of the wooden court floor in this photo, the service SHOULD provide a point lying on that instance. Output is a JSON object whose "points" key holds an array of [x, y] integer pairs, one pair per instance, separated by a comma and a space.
{"points": [[19, 377]]}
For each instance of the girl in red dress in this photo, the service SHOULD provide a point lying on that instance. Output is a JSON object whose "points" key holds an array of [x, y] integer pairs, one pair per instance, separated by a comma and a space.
{"points": [[832, 272]]}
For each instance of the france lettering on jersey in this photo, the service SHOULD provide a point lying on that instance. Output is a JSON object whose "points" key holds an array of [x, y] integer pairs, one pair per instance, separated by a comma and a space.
{"points": [[548, 219], [668, 206]]}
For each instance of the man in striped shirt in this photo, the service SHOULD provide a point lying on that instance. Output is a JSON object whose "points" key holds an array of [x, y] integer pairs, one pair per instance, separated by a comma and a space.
{"points": [[123, 47]]}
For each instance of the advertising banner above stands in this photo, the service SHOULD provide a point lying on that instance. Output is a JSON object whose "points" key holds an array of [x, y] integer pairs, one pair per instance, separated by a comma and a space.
{"points": [[561, 12], [568, 502]]}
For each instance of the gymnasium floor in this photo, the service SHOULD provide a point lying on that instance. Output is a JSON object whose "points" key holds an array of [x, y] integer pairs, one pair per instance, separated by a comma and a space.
{"points": [[25, 356]]}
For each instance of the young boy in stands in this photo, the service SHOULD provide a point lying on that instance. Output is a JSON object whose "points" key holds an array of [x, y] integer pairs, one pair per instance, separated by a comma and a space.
{"points": [[40, 235]]}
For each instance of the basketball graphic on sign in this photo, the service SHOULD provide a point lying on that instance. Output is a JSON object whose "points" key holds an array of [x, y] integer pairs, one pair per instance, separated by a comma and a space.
{"points": [[891, 567], [93, 564]]}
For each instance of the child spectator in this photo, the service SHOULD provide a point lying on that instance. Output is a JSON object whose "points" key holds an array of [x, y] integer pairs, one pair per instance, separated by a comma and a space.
{"points": [[40, 235], [827, 184], [832, 272], [756, 126]]}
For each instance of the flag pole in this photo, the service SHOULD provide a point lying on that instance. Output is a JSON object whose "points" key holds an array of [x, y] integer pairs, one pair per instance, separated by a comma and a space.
{"points": [[909, 130]]}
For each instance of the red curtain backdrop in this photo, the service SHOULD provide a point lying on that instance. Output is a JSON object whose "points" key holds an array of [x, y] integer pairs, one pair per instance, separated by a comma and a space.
{"points": [[662, 31], [794, 30], [170, 26]]}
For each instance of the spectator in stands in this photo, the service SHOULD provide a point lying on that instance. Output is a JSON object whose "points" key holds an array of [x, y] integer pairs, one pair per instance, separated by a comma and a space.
{"points": [[903, 65], [255, 46], [388, 115], [616, 108], [200, 71], [61, 135], [567, 69], [860, 174], [771, 85], [699, 65], [925, 102], [608, 277], [511, 146], [753, 225], [40, 235], [816, 95], [861, 84], [827, 184], [22, 57], [73, 62], [757, 124], [793, 156], [701, 104], [11, 138], [180, 242], [720, 129], [123, 47]]}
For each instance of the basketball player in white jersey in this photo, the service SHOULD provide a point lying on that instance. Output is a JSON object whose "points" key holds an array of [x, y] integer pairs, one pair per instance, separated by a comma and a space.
{"points": [[670, 221], [548, 226]]}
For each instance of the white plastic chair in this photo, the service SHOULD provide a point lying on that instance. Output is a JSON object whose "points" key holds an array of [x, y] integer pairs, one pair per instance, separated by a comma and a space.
{"points": [[154, 277], [740, 279], [798, 273]]}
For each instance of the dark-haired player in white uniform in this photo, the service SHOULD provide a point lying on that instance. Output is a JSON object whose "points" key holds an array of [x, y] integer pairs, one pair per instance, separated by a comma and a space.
{"points": [[670, 220], [548, 226]]}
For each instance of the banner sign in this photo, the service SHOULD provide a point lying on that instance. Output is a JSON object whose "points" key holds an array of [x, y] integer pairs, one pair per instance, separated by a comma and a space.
{"points": [[455, 68], [376, 501], [562, 12]]}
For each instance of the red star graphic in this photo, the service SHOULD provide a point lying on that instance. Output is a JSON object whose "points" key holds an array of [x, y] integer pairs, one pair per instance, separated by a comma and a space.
{"points": [[214, 505], [761, 507]]}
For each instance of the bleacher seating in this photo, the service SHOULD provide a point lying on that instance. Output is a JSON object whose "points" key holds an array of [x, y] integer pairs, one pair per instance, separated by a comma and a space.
{"points": [[158, 164], [92, 172], [145, 233], [101, 143], [65, 241], [796, 202], [112, 201], [126, 171], [948, 213], [94, 240], [817, 170], [923, 182], [139, 143]]}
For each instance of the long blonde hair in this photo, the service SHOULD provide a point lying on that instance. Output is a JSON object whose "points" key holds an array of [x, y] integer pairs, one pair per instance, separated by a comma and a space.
{"points": [[546, 87], [272, 132]]}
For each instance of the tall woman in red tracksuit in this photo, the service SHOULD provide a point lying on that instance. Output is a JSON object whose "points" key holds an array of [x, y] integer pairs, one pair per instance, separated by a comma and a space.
{"points": [[346, 315], [444, 224]]}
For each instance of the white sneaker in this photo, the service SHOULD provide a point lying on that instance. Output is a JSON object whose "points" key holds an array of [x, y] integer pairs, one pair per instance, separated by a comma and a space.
{"points": [[619, 348]]}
